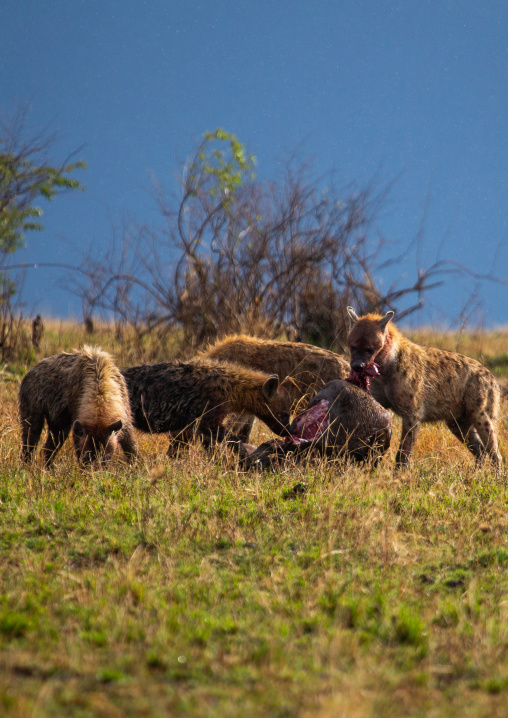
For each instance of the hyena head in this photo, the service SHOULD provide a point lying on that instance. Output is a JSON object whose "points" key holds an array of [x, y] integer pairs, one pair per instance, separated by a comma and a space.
{"points": [[366, 338], [94, 444], [277, 406]]}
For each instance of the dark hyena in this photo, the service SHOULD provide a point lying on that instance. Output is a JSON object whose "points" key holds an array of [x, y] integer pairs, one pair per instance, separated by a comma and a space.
{"points": [[303, 368], [341, 421], [82, 391], [194, 397], [425, 384]]}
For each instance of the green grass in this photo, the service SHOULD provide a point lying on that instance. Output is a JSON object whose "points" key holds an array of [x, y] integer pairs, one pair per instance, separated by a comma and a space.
{"points": [[187, 588], [190, 589]]}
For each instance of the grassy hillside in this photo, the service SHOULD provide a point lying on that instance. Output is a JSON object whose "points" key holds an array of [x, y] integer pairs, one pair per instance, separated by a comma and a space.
{"points": [[188, 588]]}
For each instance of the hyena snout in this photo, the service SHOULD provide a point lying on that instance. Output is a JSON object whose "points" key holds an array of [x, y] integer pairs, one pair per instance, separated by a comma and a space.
{"points": [[361, 359], [278, 423], [285, 421], [358, 364], [361, 362], [95, 448], [277, 406]]}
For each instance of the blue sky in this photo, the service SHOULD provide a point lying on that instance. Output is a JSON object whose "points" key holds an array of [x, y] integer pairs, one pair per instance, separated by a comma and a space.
{"points": [[413, 90]]}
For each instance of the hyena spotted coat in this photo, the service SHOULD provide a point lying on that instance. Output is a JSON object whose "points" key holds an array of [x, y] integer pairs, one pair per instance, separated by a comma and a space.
{"points": [[83, 392], [424, 384], [187, 398], [302, 368]]}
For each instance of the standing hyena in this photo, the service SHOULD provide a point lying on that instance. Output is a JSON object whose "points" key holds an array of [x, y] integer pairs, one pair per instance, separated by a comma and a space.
{"points": [[82, 391], [303, 368], [425, 384], [194, 397]]}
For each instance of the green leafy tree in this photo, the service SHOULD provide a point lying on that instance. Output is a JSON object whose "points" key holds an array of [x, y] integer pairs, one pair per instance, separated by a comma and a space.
{"points": [[222, 159], [26, 176]]}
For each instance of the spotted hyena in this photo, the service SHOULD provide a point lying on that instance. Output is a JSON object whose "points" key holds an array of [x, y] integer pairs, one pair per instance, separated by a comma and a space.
{"points": [[341, 421], [303, 368], [423, 384], [81, 392], [187, 398]]}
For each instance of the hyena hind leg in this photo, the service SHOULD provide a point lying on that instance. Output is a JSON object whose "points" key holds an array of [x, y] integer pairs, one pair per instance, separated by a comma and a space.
{"points": [[480, 438], [53, 444], [30, 434], [488, 434], [467, 434]]}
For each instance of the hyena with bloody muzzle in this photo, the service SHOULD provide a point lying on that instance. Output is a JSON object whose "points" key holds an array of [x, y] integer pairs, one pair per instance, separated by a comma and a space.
{"points": [[302, 368], [192, 398], [424, 384], [82, 392]]}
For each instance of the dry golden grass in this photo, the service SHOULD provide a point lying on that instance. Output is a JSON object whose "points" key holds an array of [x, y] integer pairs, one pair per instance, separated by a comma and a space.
{"points": [[476, 344]]}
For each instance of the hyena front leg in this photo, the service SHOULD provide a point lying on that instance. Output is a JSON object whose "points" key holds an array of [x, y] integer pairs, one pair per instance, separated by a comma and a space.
{"points": [[129, 445], [410, 429], [31, 429], [240, 425], [54, 442], [211, 436]]}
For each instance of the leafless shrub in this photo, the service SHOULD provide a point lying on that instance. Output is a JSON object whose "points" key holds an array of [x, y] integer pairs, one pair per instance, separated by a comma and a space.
{"points": [[14, 338], [282, 256]]}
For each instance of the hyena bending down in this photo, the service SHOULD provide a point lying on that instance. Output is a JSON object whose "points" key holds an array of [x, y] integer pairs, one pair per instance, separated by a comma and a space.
{"points": [[194, 397], [341, 421], [303, 368], [83, 391], [425, 384]]}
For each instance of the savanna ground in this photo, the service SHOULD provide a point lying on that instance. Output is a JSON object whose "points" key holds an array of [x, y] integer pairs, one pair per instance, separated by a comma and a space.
{"points": [[188, 588]]}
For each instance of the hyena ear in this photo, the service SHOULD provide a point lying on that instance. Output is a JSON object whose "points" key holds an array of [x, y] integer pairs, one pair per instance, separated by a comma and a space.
{"points": [[78, 429], [384, 321], [270, 387], [116, 426], [352, 315]]}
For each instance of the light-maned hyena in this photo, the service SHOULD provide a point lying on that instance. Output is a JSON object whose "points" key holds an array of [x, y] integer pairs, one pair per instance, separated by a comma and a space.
{"points": [[302, 368], [187, 398], [424, 384], [83, 392]]}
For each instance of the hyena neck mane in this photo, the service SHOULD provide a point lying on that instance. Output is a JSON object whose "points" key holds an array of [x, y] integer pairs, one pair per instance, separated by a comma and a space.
{"points": [[101, 402], [245, 389], [391, 347], [399, 349]]}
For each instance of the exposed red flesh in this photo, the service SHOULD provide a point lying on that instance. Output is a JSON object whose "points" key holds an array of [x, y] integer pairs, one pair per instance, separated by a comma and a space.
{"points": [[310, 423], [362, 378]]}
